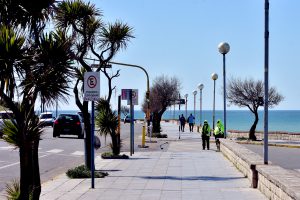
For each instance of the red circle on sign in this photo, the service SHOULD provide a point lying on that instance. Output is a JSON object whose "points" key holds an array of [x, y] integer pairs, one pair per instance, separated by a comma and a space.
{"points": [[92, 81]]}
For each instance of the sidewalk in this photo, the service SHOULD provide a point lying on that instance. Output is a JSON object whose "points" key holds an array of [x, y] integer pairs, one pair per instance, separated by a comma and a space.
{"points": [[181, 170]]}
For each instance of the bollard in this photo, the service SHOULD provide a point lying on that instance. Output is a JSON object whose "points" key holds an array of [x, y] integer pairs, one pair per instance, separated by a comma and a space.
{"points": [[143, 136]]}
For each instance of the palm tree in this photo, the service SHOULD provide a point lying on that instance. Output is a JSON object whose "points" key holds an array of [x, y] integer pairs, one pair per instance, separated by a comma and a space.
{"points": [[35, 59], [91, 37], [107, 121]]}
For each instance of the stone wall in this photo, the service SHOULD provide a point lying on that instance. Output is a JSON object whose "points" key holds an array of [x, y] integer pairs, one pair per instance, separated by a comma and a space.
{"points": [[272, 135], [272, 180]]}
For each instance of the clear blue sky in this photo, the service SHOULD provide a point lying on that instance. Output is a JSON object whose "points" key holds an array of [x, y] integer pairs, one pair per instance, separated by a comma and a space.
{"points": [[180, 38]]}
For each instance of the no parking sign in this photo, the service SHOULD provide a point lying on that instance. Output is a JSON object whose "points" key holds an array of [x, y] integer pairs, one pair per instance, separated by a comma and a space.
{"points": [[91, 86]]}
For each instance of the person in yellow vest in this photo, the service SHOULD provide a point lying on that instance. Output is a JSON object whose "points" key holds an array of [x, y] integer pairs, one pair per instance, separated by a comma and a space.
{"points": [[205, 135], [219, 133]]}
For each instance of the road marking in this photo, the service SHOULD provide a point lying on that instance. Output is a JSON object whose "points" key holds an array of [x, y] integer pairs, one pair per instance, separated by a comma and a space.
{"points": [[7, 148], [17, 163], [78, 153], [55, 151]]}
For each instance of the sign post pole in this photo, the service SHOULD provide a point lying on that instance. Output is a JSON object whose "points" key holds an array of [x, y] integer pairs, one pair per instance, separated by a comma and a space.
{"points": [[92, 147], [92, 93], [131, 124]]}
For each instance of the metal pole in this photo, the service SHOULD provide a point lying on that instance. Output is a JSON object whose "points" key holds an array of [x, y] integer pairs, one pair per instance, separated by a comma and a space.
{"points": [[194, 105], [266, 75], [92, 147], [214, 105], [185, 107], [131, 124], [224, 94], [201, 107]]}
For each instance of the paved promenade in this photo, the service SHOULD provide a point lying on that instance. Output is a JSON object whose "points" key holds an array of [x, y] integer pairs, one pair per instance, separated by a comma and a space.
{"points": [[181, 170]]}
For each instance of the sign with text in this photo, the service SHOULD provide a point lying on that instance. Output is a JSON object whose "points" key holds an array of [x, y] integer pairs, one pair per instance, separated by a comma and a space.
{"points": [[91, 86]]}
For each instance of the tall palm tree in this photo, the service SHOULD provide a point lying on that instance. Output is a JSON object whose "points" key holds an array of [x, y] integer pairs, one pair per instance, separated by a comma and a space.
{"points": [[91, 37], [36, 59]]}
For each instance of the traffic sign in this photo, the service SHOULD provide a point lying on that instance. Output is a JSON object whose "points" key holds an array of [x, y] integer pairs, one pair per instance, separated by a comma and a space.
{"points": [[126, 96], [91, 86]]}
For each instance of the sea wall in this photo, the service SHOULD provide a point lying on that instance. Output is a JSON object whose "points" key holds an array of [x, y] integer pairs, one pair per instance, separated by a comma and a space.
{"points": [[273, 181], [271, 136]]}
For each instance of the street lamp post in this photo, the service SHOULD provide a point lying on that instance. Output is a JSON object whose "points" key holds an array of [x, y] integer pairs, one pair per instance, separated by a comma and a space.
{"points": [[186, 96], [195, 93], [266, 85], [224, 49], [214, 77], [200, 87]]}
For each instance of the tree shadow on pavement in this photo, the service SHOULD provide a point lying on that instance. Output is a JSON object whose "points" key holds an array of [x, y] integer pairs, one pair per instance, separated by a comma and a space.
{"points": [[193, 178]]}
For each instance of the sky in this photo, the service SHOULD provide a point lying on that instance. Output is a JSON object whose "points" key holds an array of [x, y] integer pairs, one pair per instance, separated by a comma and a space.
{"points": [[180, 38]]}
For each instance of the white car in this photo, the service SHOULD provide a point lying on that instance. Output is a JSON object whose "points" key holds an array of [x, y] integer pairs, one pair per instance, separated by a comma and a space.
{"points": [[46, 119], [5, 115]]}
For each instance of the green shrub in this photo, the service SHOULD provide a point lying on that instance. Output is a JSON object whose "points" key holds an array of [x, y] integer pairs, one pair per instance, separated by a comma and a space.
{"points": [[83, 172], [110, 155], [13, 190]]}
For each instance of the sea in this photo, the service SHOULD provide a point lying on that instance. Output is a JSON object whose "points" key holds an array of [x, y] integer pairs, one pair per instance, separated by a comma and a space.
{"points": [[279, 120]]}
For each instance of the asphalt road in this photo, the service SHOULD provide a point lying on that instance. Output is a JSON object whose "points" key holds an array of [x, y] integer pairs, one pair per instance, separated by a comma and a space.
{"points": [[56, 155], [288, 158]]}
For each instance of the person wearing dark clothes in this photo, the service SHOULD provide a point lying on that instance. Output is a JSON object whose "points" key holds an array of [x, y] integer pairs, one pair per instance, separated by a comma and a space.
{"points": [[205, 135], [182, 123]]}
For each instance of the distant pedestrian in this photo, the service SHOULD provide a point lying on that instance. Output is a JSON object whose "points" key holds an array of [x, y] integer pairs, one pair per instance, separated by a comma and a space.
{"points": [[219, 133], [205, 135], [182, 123], [191, 121]]}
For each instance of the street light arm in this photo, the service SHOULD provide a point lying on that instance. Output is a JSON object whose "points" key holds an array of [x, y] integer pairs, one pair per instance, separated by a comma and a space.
{"points": [[148, 85], [136, 66]]}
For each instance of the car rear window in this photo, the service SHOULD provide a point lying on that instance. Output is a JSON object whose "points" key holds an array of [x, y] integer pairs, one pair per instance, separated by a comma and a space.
{"points": [[46, 116], [68, 117]]}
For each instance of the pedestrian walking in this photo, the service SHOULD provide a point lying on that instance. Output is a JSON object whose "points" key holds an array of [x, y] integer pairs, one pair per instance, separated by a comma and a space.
{"points": [[205, 135], [182, 122], [219, 133], [191, 121]]}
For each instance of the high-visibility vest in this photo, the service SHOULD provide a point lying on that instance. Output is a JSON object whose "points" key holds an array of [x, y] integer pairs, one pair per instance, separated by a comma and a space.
{"points": [[219, 129], [206, 130]]}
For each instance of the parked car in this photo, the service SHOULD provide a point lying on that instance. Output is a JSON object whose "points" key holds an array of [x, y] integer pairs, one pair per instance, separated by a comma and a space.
{"points": [[46, 119], [5, 115], [68, 124]]}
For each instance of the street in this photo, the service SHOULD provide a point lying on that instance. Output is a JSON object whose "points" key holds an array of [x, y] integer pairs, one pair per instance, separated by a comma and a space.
{"points": [[288, 158], [56, 155]]}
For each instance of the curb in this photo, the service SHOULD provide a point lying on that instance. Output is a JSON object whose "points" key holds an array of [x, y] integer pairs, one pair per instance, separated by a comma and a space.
{"points": [[270, 144]]}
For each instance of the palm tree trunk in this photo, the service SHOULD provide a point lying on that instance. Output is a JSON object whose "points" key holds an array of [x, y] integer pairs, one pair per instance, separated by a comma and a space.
{"points": [[25, 170], [253, 127], [115, 147], [87, 125], [36, 171]]}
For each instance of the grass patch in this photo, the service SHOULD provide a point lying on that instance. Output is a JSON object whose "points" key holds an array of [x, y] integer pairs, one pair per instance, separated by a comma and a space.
{"points": [[110, 155], [83, 172], [242, 138]]}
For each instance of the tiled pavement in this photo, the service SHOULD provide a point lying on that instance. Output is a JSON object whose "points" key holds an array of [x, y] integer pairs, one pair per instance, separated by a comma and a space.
{"points": [[181, 170]]}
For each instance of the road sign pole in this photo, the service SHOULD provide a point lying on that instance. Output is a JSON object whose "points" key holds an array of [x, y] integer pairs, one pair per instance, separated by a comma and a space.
{"points": [[131, 124], [92, 147]]}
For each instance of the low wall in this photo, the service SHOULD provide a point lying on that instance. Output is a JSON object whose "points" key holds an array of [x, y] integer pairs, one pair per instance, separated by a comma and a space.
{"points": [[272, 180], [244, 159], [271, 135]]}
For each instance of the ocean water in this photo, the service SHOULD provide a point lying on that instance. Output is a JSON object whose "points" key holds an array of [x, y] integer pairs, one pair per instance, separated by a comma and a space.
{"points": [[279, 120]]}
